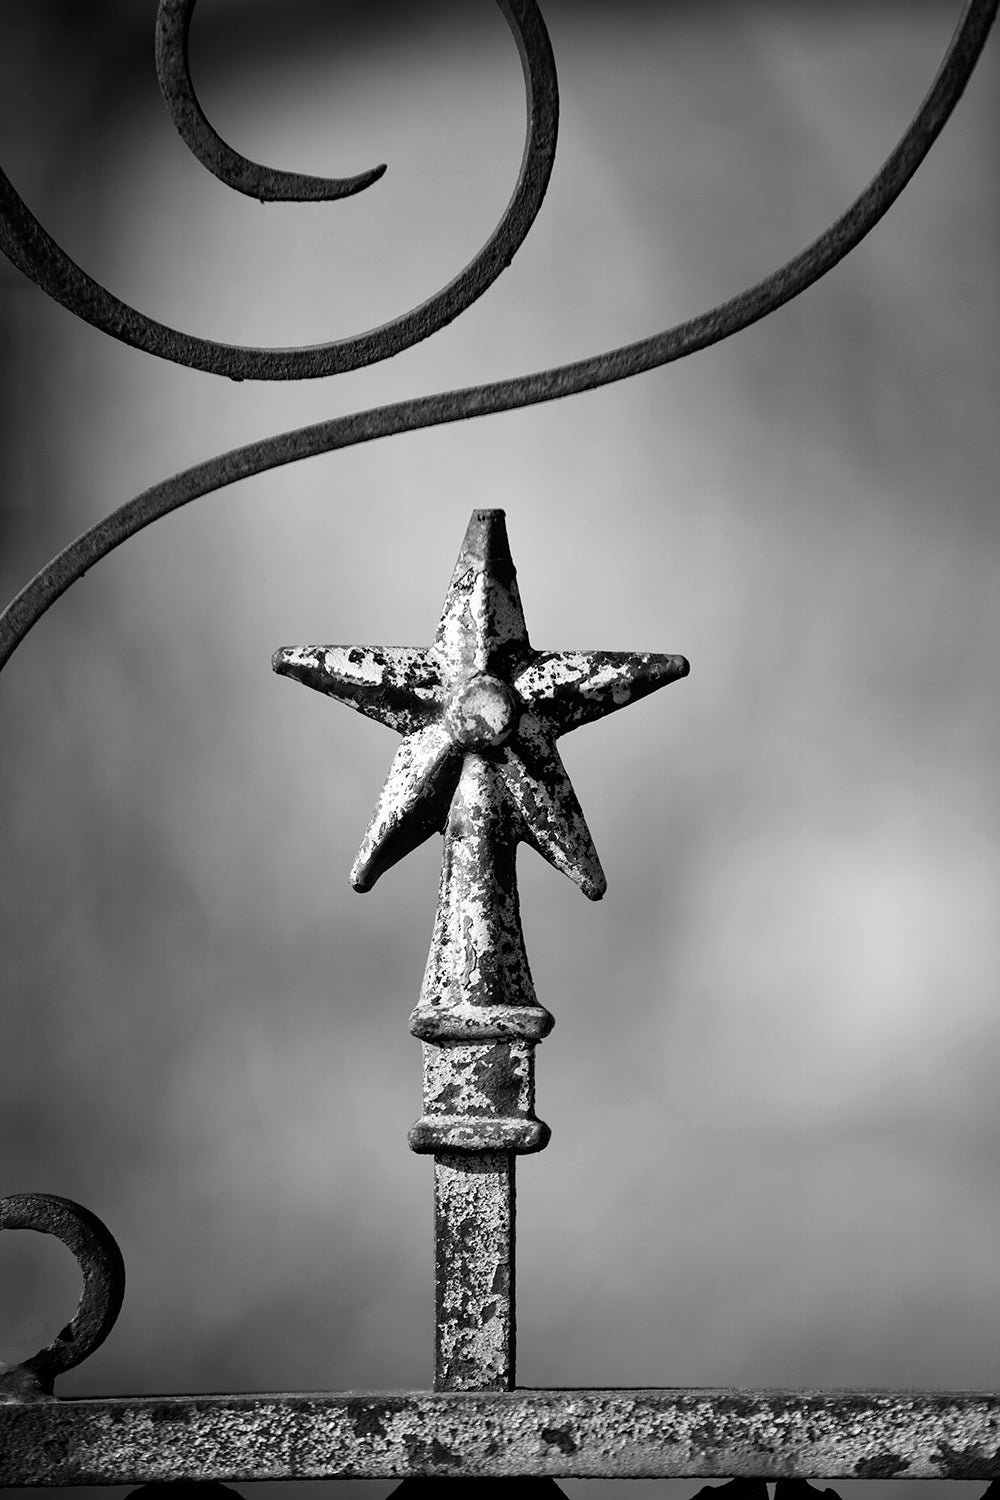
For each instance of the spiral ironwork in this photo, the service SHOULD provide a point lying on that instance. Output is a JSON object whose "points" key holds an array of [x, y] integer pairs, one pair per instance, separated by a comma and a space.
{"points": [[30, 248], [173, 68]]}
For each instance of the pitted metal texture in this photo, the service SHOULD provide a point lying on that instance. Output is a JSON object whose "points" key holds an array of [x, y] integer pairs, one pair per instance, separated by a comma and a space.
{"points": [[480, 711], [479, 1096], [103, 1270], [474, 1255], [669, 1434]]}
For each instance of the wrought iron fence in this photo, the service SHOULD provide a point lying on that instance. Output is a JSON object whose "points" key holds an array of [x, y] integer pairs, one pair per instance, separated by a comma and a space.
{"points": [[479, 711]]}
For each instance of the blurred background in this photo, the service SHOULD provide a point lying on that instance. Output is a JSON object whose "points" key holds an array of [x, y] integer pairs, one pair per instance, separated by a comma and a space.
{"points": [[772, 1083]]}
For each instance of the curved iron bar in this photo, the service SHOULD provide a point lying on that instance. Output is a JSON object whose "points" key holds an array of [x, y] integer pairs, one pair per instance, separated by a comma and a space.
{"points": [[100, 1260], [545, 385], [25, 242], [173, 68]]}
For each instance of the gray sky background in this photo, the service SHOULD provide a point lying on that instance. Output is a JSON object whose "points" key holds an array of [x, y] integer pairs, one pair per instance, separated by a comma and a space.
{"points": [[772, 1080]]}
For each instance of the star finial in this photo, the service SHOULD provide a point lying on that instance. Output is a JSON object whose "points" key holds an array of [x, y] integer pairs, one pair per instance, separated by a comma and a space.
{"points": [[480, 712], [480, 693]]}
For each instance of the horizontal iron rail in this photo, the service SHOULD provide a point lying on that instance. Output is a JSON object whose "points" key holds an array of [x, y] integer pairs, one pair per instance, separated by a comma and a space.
{"points": [[681, 1433]]}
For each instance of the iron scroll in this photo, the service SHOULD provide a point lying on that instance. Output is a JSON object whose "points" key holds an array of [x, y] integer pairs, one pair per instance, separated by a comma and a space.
{"points": [[28, 246]]}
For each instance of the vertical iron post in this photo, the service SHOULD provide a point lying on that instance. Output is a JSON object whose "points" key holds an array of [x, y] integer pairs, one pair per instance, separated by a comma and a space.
{"points": [[479, 1023], [474, 1261]]}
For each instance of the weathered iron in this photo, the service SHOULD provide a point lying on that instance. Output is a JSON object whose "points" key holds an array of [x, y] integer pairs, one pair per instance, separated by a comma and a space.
{"points": [[583, 1434], [100, 1260], [33, 251], [480, 712], [24, 241], [173, 25], [474, 1264]]}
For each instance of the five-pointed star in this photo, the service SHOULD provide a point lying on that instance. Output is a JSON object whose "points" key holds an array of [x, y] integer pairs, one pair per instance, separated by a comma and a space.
{"points": [[480, 689]]}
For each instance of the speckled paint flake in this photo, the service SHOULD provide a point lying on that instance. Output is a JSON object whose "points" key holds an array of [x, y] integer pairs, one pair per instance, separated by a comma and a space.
{"points": [[695, 1434], [474, 1217], [479, 1097], [480, 712], [480, 694]]}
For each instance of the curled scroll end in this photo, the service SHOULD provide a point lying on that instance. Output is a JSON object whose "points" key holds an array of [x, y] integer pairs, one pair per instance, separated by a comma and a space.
{"points": [[173, 24], [100, 1260]]}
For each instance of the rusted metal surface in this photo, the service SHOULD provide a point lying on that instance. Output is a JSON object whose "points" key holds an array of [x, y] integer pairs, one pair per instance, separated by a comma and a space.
{"points": [[103, 1273], [479, 1096], [700, 1434], [478, 1015], [480, 712], [33, 251], [173, 24], [474, 1262]]}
